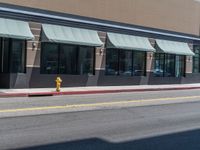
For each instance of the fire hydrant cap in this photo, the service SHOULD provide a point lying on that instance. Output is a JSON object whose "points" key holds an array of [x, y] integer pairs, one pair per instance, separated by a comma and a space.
{"points": [[58, 79]]}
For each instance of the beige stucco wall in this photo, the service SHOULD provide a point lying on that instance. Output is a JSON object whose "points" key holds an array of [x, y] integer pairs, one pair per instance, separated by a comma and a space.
{"points": [[175, 15]]}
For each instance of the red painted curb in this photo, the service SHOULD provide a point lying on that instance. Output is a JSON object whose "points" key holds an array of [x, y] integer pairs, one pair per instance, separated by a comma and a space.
{"points": [[121, 90], [4, 95]]}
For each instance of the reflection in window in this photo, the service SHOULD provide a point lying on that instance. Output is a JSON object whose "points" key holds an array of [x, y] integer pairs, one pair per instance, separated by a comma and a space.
{"points": [[139, 63], [112, 62], [159, 65], [17, 56], [67, 63], [169, 65], [125, 65], [49, 58], [13, 56], [67, 59], [86, 60], [196, 59], [125, 62], [180, 66], [5, 56]]}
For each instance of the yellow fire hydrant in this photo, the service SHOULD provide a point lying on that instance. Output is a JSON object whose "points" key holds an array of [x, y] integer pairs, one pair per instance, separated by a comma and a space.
{"points": [[58, 84]]}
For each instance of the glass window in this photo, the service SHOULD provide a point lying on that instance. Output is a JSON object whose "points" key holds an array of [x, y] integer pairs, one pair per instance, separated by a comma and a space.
{"points": [[13, 56], [139, 63], [180, 66], [5, 56], [125, 64], [17, 59], [67, 59], [196, 59], [1, 56], [159, 65], [169, 65], [86, 60], [112, 62], [49, 58]]}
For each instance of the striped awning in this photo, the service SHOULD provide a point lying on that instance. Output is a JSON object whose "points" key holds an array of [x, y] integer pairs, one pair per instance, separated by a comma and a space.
{"points": [[172, 47], [70, 35], [16, 29], [129, 42]]}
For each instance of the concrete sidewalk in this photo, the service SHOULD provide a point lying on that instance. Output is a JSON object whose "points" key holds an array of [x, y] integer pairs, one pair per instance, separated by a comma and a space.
{"points": [[92, 90]]}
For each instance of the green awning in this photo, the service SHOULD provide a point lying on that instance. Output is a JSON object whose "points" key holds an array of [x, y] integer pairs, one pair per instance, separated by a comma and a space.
{"points": [[173, 47], [15, 29], [70, 35], [129, 42]]}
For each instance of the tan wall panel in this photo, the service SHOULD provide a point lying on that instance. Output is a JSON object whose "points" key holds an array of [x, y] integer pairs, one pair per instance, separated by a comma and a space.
{"points": [[31, 55], [176, 15], [198, 16], [33, 52]]}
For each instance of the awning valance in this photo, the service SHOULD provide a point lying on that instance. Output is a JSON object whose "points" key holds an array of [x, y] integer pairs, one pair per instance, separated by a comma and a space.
{"points": [[173, 47], [70, 35], [128, 42], [15, 29]]}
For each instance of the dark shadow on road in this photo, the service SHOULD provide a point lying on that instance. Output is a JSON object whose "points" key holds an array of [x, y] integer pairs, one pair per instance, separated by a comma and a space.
{"points": [[189, 140]]}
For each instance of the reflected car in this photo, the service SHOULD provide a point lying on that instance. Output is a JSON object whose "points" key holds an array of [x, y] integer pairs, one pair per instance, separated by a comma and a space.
{"points": [[158, 72]]}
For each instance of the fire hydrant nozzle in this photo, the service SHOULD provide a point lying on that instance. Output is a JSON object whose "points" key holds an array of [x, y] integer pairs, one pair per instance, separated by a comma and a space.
{"points": [[58, 84]]}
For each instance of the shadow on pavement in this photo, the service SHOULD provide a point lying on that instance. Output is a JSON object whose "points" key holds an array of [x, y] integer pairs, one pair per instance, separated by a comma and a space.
{"points": [[189, 140]]}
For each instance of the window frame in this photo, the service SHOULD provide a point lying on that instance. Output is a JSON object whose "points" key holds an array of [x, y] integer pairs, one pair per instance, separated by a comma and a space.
{"points": [[132, 62], [42, 58], [94, 57], [120, 61], [24, 49], [77, 47], [9, 53], [193, 63], [174, 67]]}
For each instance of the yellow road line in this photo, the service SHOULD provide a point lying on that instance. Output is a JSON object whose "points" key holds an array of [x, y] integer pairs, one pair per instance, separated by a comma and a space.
{"points": [[97, 104]]}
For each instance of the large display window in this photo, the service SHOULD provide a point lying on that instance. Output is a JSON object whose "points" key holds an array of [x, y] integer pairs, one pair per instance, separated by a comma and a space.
{"points": [[125, 62], [12, 55], [67, 59]]}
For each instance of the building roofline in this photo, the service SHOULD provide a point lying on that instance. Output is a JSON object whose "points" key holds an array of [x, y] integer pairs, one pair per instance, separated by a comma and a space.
{"points": [[95, 22]]}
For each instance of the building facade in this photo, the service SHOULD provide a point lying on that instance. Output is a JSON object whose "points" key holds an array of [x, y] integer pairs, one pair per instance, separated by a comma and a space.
{"points": [[99, 43]]}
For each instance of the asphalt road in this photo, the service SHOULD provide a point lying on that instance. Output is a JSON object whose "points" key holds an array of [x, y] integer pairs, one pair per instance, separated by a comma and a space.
{"points": [[171, 126]]}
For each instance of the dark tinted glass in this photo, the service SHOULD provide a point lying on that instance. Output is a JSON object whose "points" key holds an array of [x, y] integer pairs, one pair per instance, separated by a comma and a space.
{"points": [[68, 59], [180, 66], [86, 60], [125, 65], [139, 63], [125, 62], [196, 59], [169, 65], [17, 59], [158, 64], [5, 54], [1, 56], [112, 62], [49, 58]]}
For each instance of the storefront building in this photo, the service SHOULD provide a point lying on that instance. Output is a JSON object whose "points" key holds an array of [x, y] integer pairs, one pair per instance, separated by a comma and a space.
{"points": [[98, 44]]}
